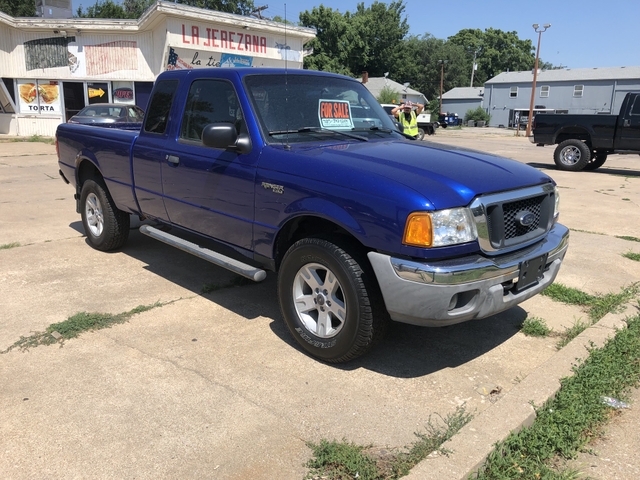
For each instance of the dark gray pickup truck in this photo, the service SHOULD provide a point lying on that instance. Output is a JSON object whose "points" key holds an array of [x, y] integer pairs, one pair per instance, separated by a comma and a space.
{"points": [[584, 141]]}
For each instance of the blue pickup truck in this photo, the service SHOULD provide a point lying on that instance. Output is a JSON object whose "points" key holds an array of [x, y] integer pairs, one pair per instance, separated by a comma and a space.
{"points": [[304, 174]]}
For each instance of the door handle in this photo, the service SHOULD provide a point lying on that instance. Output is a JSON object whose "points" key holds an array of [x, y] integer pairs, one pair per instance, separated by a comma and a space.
{"points": [[172, 159], [627, 122]]}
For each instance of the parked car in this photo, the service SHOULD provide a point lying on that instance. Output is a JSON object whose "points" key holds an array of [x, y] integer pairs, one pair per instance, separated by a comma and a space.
{"points": [[584, 141], [449, 120], [109, 113], [360, 224]]}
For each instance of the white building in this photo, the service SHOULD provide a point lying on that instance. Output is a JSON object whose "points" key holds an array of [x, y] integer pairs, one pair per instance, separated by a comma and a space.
{"points": [[51, 67], [376, 84]]}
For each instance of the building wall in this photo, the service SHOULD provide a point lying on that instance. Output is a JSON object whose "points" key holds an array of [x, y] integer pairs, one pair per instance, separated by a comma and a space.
{"points": [[599, 96], [53, 68], [460, 105]]}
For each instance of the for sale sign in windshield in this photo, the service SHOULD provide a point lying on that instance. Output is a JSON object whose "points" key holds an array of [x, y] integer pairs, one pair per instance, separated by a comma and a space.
{"points": [[335, 114]]}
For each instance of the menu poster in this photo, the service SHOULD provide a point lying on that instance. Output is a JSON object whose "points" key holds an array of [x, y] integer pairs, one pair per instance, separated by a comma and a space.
{"points": [[39, 97]]}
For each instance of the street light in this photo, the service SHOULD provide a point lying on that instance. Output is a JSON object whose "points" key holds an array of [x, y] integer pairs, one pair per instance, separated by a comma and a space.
{"points": [[539, 31], [441, 62]]}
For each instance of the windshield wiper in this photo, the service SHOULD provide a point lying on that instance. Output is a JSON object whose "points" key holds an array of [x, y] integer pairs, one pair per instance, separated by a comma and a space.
{"points": [[319, 130]]}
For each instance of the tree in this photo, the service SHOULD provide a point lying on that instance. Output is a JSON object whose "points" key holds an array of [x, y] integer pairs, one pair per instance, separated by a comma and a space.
{"points": [[419, 65], [334, 42], [388, 95], [239, 7], [18, 8], [279, 19], [135, 8], [103, 9], [497, 52], [370, 39]]}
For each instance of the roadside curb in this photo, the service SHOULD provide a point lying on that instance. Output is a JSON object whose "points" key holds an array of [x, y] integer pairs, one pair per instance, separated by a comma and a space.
{"points": [[475, 441]]}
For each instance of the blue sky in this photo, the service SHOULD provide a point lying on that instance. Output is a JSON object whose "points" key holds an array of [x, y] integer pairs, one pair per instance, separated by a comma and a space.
{"points": [[583, 34]]}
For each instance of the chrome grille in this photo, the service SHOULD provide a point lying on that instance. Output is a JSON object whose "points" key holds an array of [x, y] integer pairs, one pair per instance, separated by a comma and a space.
{"points": [[512, 228], [509, 220]]}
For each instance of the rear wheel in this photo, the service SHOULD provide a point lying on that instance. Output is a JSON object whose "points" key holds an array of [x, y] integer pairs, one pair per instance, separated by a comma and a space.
{"points": [[597, 160], [106, 227], [420, 134], [327, 298], [572, 155]]}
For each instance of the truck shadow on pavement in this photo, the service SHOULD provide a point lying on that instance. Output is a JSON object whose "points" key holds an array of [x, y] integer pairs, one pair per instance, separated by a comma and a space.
{"points": [[407, 351], [605, 170]]}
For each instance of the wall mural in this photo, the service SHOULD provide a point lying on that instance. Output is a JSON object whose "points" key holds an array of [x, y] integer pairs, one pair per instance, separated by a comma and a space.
{"points": [[47, 52], [82, 60]]}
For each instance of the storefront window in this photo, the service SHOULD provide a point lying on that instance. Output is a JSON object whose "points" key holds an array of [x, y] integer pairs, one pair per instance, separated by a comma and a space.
{"points": [[39, 97], [97, 93], [123, 92]]}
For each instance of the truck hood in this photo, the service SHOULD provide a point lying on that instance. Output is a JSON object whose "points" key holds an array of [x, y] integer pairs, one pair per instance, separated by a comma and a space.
{"points": [[445, 176]]}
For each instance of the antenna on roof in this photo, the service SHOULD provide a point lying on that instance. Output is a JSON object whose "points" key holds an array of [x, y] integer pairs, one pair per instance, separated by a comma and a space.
{"points": [[286, 83]]}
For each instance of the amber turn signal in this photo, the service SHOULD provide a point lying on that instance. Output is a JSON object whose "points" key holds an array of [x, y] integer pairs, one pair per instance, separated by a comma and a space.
{"points": [[419, 230]]}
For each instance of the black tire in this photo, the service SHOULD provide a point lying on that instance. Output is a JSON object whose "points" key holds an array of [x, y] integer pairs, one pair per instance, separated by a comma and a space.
{"points": [[106, 227], [597, 160], [420, 134], [332, 285], [572, 155]]}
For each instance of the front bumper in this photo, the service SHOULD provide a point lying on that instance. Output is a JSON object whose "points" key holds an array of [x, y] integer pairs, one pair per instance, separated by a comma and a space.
{"points": [[439, 293]]}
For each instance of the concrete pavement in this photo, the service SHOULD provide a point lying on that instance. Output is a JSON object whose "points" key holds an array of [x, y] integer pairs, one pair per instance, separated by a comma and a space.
{"points": [[211, 385]]}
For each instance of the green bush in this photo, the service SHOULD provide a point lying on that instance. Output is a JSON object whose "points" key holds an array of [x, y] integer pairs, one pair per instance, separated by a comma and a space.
{"points": [[388, 95], [477, 114]]}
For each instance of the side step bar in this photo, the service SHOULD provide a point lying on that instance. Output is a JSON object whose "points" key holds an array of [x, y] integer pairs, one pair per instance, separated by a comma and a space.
{"points": [[247, 271]]}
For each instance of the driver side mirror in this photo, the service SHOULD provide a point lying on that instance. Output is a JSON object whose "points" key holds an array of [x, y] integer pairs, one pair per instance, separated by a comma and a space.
{"points": [[224, 135]]}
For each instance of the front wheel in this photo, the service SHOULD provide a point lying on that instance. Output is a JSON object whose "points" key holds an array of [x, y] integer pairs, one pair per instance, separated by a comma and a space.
{"points": [[327, 299], [572, 155], [420, 134], [106, 227]]}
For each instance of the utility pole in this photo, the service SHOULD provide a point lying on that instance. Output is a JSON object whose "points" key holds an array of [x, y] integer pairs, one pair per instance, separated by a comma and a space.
{"points": [[535, 75], [257, 12], [441, 62], [473, 68]]}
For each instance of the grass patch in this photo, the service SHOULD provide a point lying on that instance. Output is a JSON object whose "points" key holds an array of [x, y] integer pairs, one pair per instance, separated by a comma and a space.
{"points": [[630, 239], [535, 327], [344, 460], [75, 325], [35, 138], [572, 332], [565, 423], [597, 306], [568, 295], [237, 281], [586, 231], [632, 256], [7, 246]]}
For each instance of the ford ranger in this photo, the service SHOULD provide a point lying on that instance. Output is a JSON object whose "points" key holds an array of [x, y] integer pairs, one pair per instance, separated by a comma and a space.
{"points": [[303, 173]]}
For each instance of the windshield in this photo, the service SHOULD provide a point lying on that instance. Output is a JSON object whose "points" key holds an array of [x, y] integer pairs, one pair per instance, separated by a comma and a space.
{"points": [[300, 108]]}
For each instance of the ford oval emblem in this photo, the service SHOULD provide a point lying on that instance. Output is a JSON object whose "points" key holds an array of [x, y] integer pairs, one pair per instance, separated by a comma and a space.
{"points": [[525, 218]]}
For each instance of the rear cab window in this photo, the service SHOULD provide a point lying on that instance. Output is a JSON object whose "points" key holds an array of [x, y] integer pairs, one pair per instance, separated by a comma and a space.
{"points": [[160, 106]]}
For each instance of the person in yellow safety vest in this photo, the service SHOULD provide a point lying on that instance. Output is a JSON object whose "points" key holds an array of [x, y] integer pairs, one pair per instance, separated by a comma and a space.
{"points": [[408, 117]]}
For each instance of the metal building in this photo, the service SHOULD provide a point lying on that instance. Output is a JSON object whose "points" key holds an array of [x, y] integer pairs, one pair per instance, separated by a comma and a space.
{"points": [[53, 67], [507, 97], [460, 100]]}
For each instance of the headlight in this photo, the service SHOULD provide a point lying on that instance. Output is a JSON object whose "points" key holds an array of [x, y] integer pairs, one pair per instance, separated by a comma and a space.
{"points": [[440, 228], [556, 207]]}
